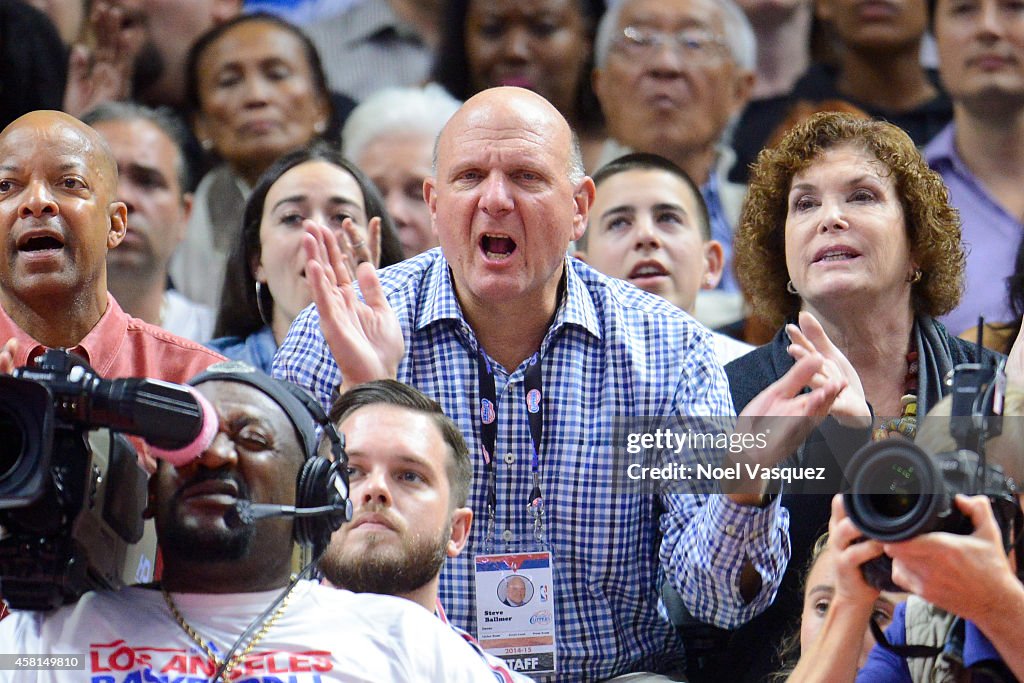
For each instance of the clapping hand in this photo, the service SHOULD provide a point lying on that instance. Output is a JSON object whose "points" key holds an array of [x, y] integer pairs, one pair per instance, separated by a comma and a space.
{"points": [[785, 415], [365, 337], [850, 407]]}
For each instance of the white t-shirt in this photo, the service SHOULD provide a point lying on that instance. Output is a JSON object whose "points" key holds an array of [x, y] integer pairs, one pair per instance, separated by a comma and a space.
{"points": [[728, 349], [325, 634], [186, 318]]}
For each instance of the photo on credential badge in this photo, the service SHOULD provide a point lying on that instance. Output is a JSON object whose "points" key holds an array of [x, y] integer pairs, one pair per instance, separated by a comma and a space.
{"points": [[515, 590]]}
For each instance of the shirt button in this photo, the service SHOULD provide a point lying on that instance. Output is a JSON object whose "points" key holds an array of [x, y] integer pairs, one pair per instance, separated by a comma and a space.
{"points": [[506, 535], [509, 458], [730, 529]]}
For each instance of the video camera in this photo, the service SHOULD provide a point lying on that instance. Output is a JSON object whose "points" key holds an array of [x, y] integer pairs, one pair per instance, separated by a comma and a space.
{"points": [[898, 491], [71, 490]]}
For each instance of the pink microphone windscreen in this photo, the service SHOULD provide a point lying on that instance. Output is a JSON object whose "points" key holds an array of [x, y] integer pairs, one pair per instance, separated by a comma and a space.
{"points": [[190, 452]]}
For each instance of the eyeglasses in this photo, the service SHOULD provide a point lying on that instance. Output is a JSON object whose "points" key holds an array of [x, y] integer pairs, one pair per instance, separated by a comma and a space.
{"points": [[697, 44]]}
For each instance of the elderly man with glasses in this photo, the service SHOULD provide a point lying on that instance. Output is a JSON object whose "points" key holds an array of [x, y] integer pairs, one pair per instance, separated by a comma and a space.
{"points": [[671, 75]]}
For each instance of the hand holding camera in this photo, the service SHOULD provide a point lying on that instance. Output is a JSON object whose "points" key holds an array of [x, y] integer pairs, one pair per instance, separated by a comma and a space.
{"points": [[967, 575], [899, 490]]}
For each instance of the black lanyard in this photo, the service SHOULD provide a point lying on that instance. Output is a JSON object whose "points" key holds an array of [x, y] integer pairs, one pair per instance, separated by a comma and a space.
{"points": [[533, 394]]}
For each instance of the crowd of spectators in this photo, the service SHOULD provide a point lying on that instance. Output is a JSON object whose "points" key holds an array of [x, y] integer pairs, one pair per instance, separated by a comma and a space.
{"points": [[352, 192]]}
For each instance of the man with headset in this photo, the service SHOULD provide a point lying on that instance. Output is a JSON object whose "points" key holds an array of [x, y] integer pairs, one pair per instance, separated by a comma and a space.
{"points": [[226, 606]]}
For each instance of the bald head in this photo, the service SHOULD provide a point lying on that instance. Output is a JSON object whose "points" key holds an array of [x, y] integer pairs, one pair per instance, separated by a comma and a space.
{"points": [[58, 218], [518, 111], [66, 135], [507, 196], [515, 591]]}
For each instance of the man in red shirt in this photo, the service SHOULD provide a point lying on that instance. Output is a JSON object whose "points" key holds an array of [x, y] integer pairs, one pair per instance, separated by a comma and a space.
{"points": [[58, 218]]}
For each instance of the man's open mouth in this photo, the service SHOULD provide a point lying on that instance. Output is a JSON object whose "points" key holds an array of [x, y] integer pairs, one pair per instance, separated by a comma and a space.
{"points": [[40, 243], [497, 247]]}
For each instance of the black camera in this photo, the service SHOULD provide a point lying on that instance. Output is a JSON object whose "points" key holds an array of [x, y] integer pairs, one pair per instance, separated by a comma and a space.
{"points": [[898, 491], [71, 490]]}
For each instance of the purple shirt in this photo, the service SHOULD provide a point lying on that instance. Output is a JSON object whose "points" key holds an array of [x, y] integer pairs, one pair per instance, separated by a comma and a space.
{"points": [[990, 238]]}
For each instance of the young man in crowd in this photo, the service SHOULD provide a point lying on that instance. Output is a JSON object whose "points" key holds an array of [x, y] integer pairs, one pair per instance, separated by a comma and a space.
{"points": [[649, 226], [409, 478]]}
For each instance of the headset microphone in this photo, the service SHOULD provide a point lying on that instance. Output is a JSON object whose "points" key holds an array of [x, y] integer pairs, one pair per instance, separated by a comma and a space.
{"points": [[245, 513]]}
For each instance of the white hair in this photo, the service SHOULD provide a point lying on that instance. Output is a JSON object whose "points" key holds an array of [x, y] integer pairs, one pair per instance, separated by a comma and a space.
{"points": [[397, 110], [739, 34]]}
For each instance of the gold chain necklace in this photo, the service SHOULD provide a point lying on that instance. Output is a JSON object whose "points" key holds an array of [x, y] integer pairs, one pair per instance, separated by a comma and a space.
{"points": [[238, 657]]}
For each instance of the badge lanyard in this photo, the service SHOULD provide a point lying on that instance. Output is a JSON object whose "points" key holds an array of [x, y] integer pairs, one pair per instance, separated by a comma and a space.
{"points": [[533, 394]]}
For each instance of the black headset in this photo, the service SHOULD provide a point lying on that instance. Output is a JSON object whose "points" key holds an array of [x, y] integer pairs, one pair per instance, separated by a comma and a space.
{"points": [[321, 482]]}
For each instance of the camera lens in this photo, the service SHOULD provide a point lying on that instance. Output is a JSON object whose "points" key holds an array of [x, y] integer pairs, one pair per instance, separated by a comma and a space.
{"points": [[892, 484], [12, 444], [26, 437], [896, 493], [893, 505]]}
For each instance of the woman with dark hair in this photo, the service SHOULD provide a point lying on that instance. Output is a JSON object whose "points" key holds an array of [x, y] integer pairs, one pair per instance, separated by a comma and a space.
{"points": [[265, 285], [544, 46], [871, 59], [844, 223], [255, 90]]}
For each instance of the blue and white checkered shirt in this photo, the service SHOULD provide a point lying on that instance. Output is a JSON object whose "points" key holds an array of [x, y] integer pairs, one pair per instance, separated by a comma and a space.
{"points": [[612, 351]]}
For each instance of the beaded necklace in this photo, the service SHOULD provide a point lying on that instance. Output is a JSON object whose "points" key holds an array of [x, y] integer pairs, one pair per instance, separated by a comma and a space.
{"points": [[906, 424]]}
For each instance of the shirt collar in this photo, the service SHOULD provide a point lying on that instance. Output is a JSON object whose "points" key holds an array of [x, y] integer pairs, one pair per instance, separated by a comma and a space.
{"points": [[942, 148], [942, 156], [438, 296], [27, 346], [577, 306], [440, 303], [98, 348]]}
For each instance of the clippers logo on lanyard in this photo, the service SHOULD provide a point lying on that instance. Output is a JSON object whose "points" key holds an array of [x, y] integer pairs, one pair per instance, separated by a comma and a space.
{"points": [[533, 400], [487, 413]]}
